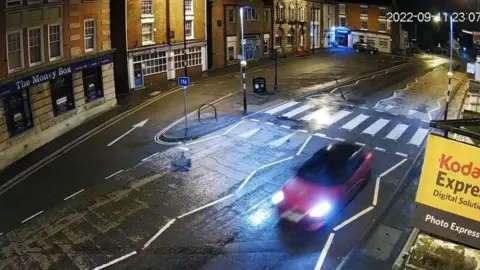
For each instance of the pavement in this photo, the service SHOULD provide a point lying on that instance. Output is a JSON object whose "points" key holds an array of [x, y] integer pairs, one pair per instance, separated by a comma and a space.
{"points": [[205, 203]]}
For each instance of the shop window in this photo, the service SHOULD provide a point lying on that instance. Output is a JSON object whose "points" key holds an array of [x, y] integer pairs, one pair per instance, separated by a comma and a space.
{"points": [[194, 56], [92, 84], [152, 63], [62, 95], [371, 41], [18, 113], [231, 53], [179, 58], [383, 43], [343, 22]]}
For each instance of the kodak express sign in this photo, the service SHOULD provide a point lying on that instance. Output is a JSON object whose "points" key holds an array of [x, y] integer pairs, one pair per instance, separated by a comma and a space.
{"points": [[450, 178]]}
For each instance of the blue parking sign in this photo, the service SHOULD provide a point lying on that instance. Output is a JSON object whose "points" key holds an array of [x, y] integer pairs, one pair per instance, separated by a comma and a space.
{"points": [[183, 81]]}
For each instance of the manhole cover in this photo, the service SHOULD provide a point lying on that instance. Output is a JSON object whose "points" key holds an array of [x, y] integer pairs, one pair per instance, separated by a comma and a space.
{"points": [[382, 242]]}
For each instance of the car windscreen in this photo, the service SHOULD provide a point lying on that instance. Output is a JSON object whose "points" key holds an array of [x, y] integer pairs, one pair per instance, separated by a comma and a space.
{"points": [[328, 168]]}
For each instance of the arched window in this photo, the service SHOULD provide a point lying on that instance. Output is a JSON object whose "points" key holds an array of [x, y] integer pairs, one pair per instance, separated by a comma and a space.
{"points": [[301, 35], [280, 11], [301, 14], [291, 12], [279, 37], [290, 37]]}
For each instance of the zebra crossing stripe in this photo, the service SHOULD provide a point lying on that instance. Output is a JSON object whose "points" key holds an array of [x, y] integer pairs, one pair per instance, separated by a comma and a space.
{"points": [[249, 133], [297, 111], [376, 127], [355, 122], [397, 132], [419, 136], [282, 107], [337, 117], [315, 115]]}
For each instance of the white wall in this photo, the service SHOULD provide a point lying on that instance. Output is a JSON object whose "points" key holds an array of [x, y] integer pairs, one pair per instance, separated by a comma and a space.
{"points": [[326, 26]]}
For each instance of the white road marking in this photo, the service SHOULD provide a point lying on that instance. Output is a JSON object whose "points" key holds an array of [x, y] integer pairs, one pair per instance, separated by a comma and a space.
{"points": [[376, 127], [281, 107], [325, 249], [204, 140], [250, 176], [254, 120], [337, 117], [394, 114], [141, 124], [419, 136], [380, 149], [273, 163], [74, 194], [316, 114], [205, 206], [233, 127], [380, 111], [360, 144], [397, 132], [296, 111], [181, 148], [1, 233], [320, 135], [33, 216], [426, 121], [355, 122], [375, 193], [393, 167], [112, 175], [269, 124], [287, 127], [401, 154], [164, 228], [389, 107], [280, 141], [346, 222], [363, 107], [250, 133], [339, 139], [151, 156], [304, 145], [333, 91], [303, 131], [412, 112], [115, 261]]}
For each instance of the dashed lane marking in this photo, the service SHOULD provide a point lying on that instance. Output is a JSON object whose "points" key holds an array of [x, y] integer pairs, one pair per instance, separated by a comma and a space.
{"points": [[380, 149], [287, 127], [401, 154], [325, 249], [115, 261], [360, 144], [233, 127], [205, 206], [112, 175], [33, 216], [74, 194], [254, 120], [151, 156], [269, 124], [304, 145], [164, 228]]}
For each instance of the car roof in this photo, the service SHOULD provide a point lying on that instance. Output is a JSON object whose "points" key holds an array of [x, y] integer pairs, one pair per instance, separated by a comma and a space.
{"points": [[344, 150]]}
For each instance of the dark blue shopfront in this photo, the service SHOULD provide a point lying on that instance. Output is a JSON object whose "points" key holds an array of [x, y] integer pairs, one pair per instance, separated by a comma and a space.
{"points": [[16, 99]]}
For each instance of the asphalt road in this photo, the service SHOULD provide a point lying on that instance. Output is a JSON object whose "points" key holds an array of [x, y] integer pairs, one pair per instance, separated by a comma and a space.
{"points": [[127, 196]]}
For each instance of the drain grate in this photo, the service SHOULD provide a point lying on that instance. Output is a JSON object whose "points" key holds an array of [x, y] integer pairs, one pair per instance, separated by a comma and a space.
{"points": [[382, 242]]}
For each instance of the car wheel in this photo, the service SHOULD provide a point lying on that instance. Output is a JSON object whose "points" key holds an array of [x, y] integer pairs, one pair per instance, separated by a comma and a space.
{"points": [[357, 50], [371, 52]]}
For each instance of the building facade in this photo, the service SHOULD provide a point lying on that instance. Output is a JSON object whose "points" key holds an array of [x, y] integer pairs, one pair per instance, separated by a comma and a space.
{"points": [[316, 25], [226, 30], [291, 22], [329, 11], [155, 35], [56, 70], [367, 23]]}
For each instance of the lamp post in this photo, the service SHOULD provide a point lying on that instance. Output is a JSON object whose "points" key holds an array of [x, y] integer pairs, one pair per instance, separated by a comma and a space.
{"points": [[450, 72], [185, 62], [243, 63]]}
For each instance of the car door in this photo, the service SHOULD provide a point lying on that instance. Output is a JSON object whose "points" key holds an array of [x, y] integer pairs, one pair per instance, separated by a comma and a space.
{"points": [[354, 169]]}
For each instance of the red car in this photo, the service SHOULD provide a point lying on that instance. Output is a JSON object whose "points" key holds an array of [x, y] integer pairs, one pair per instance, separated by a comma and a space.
{"points": [[323, 185]]}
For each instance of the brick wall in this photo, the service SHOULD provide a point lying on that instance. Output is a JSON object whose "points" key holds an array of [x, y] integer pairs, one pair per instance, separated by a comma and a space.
{"points": [[354, 20]]}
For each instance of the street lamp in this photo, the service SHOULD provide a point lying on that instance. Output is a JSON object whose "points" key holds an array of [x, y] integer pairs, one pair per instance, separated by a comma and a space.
{"points": [[243, 63], [437, 18], [450, 72]]}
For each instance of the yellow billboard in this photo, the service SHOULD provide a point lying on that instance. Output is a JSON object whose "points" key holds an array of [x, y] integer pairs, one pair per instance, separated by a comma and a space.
{"points": [[450, 179]]}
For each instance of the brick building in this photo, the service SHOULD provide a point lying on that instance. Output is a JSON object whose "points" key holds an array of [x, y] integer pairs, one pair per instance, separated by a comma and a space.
{"points": [[155, 31], [329, 18], [291, 26], [226, 33], [367, 23], [56, 70]]}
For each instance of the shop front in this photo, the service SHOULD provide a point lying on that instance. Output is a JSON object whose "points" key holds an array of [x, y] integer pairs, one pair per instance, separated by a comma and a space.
{"points": [[377, 40], [341, 36], [36, 102]]}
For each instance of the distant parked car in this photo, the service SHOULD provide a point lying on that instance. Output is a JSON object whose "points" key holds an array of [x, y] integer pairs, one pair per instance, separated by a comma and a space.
{"points": [[364, 47]]}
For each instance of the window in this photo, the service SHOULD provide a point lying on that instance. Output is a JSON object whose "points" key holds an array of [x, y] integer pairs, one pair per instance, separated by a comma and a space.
{"points": [[147, 33], [18, 113], [290, 37], [13, 3], [329, 21], [383, 43], [92, 84], [330, 10], [152, 63], [15, 50], [194, 56], [62, 95], [301, 14], [382, 12], [265, 16], [364, 10], [265, 45], [188, 6], [343, 21], [364, 25], [250, 14], [383, 26], [279, 37], [147, 7], [231, 15], [189, 29], [89, 33], [35, 51], [371, 41], [55, 41], [178, 58], [291, 12], [280, 11], [341, 8], [34, 2]]}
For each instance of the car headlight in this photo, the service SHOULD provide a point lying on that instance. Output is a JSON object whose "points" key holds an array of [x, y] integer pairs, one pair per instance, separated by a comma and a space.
{"points": [[278, 197], [320, 210]]}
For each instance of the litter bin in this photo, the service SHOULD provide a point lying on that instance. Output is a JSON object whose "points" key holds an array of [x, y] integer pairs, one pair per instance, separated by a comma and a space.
{"points": [[259, 85]]}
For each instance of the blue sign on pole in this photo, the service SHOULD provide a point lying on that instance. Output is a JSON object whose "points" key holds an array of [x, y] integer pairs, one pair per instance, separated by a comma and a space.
{"points": [[183, 81]]}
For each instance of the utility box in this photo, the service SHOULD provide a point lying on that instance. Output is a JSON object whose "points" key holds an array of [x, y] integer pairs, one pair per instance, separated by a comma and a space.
{"points": [[259, 85]]}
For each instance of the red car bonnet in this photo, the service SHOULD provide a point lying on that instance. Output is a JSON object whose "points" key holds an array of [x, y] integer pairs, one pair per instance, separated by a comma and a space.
{"points": [[303, 195]]}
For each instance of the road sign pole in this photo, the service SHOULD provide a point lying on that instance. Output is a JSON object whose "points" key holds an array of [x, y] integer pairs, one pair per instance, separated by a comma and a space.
{"points": [[185, 106]]}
